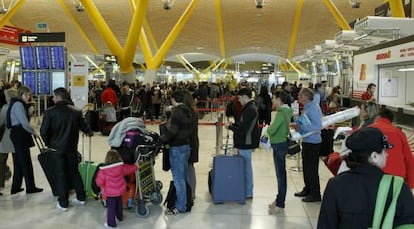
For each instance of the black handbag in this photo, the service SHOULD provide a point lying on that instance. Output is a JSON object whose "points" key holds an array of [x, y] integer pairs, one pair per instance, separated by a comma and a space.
{"points": [[293, 146]]}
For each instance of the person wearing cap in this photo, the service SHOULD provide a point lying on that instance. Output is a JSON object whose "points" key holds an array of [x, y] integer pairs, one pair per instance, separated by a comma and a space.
{"points": [[349, 198], [310, 123], [400, 161]]}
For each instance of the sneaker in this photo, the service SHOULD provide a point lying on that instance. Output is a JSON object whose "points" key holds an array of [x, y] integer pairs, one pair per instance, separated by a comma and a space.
{"points": [[60, 208], [107, 226], [77, 202], [173, 211], [276, 210]]}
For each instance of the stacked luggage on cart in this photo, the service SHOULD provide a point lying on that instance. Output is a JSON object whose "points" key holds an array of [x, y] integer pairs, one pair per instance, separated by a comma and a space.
{"points": [[140, 146]]}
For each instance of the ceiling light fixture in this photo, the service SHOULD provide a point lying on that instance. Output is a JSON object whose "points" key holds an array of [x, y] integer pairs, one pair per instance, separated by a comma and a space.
{"points": [[406, 69], [168, 4], [259, 4]]}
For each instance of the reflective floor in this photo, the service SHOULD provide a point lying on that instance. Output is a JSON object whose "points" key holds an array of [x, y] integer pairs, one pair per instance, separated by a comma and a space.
{"points": [[39, 210]]}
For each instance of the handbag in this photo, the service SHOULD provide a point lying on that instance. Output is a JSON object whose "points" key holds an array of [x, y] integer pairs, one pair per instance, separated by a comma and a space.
{"points": [[293, 146], [383, 189]]}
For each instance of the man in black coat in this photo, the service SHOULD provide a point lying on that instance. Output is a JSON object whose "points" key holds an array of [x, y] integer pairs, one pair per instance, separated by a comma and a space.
{"points": [[60, 131]]}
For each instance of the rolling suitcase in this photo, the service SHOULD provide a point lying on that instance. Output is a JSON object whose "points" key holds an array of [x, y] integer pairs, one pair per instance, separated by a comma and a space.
{"points": [[47, 158], [228, 178], [87, 169]]}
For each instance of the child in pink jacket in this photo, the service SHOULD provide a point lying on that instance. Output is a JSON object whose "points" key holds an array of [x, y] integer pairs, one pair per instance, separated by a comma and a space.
{"points": [[110, 179]]}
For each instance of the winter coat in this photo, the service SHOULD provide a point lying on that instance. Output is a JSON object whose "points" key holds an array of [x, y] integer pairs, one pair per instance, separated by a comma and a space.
{"points": [[60, 127], [111, 179], [246, 131], [6, 145]]}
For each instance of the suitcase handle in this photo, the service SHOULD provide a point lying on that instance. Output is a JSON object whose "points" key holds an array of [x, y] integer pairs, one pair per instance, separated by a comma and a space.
{"points": [[41, 145], [83, 148]]}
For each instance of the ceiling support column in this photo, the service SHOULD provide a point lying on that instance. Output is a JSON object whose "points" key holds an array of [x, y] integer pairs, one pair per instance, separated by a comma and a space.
{"points": [[220, 28], [11, 13], [337, 15], [165, 47], [133, 35], [76, 24], [397, 8], [295, 27]]}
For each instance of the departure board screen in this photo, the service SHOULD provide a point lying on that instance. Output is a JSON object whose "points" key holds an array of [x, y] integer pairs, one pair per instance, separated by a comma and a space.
{"points": [[27, 57], [42, 57], [57, 57], [43, 83], [29, 79]]}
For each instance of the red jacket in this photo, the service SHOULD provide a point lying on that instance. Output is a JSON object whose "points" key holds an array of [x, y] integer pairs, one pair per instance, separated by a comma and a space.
{"points": [[366, 96], [109, 95], [400, 161], [111, 179]]}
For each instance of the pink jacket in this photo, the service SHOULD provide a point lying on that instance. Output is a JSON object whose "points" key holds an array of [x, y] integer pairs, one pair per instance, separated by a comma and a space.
{"points": [[111, 178]]}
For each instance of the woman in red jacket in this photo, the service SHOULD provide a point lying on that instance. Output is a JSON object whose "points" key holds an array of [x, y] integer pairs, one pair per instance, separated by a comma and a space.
{"points": [[111, 180]]}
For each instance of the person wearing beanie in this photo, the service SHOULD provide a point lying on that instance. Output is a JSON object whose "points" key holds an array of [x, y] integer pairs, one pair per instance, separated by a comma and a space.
{"points": [[349, 199]]}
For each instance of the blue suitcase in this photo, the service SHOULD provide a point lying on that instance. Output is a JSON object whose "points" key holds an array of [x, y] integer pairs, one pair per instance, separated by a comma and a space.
{"points": [[228, 179]]}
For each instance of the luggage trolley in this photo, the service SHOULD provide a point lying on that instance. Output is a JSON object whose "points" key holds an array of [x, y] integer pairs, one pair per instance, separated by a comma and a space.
{"points": [[147, 188]]}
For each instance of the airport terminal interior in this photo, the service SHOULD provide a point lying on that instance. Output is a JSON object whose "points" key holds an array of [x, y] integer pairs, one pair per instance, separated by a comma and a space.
{"points": [[262, 42], [39, 210]]}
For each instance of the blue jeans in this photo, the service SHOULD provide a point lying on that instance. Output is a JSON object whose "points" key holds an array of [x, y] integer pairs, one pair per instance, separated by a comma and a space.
{"points": [[247, 154], [279, 159], [179, 166]]}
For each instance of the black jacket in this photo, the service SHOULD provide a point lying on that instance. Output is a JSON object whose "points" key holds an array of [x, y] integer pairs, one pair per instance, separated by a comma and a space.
{"points": [[60, 127], [349, 200], [180, 130], [246, 131]]}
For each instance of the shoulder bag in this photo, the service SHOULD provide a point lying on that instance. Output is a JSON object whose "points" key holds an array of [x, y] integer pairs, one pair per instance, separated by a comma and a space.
{"points": [[293, 146], [383, 189]]}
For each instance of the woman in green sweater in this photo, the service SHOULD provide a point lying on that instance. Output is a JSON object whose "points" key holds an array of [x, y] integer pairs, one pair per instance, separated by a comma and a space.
{"points": [[278, 133]]}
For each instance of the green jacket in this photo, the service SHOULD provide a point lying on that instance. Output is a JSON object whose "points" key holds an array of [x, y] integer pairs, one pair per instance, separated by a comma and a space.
{"points": [[277, 130]]}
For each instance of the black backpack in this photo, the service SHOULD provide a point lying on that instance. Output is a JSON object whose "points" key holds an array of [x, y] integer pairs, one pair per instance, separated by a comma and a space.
{"points": [[95, 188], [172, 197]]}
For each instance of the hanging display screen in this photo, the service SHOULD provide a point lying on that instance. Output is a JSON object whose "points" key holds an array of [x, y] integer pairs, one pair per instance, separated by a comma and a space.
{"points": [[57, 57], [26, 57], [58, 80], [29, 79], [43, 83], [42, 57]]}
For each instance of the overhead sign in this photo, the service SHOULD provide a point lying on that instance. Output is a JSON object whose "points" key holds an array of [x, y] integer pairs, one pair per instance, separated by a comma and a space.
{"points": [[41, 37], [10, 35]]}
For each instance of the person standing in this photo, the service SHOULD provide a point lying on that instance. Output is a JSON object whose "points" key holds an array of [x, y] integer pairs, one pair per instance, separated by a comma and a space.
{"points": [[246, 134], [21, 135], [194, 142], [400, 161], [178, 137], [350, 198], [60, 131], [278, 133], [6, 145], [111, 180], [368, 95], [310, 125]]}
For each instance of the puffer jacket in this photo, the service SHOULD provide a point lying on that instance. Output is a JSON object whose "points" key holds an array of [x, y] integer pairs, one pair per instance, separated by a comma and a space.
{"points": [[60, 127], [111, 179]]}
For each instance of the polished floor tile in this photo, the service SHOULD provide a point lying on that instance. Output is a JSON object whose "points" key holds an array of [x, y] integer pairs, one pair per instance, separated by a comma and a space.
{"points": [[39, 210]]}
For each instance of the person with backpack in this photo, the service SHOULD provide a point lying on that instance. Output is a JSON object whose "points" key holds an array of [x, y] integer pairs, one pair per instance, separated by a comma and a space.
{"points": [[110, 179]]}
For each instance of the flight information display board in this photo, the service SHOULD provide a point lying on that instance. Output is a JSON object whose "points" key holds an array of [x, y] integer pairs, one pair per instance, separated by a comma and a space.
{"points": [[42, 57], [57, 57], [26, 57], [43, 83], [43, 68], [29, 79]]}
